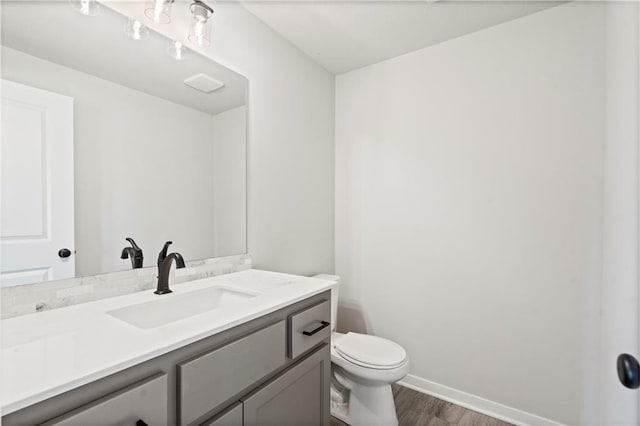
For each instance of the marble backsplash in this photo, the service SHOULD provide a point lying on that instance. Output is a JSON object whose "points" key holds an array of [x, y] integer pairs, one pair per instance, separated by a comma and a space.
{"points": [[27, 299]]}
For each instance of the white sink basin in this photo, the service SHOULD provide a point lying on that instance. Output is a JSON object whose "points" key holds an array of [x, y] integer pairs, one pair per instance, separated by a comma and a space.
{"points": [[174, 307]]}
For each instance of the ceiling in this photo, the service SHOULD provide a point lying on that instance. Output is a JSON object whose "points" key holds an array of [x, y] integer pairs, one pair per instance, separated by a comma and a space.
{"points": [[55, 32], [345, 35]]}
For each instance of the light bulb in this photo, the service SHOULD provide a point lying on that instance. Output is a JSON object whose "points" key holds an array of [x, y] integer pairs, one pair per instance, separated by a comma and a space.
{"points": [[159, 10], [136, 30], [176, 50], [85, 7], [198, 32]]}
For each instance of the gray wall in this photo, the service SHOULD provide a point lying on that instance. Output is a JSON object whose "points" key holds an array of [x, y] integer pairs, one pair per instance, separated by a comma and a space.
{"points": [[230, 181], [468, 208], [291, 146], [291, 133]]}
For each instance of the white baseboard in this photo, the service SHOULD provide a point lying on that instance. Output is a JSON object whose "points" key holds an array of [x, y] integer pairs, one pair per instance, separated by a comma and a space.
{"points": [[475, 403]]}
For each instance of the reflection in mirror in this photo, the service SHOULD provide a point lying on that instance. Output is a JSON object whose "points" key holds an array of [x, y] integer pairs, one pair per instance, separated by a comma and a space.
{"points": [[99, 148]]}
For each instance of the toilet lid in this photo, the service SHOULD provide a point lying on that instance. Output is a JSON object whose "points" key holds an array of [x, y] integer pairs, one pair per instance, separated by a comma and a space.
{"points": [[370, 351]]}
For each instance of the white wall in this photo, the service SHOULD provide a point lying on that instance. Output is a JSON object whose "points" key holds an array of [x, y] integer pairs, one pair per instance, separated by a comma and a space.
{"points": [[291, 132], [229, 182], [141, 164], [468, 207]]}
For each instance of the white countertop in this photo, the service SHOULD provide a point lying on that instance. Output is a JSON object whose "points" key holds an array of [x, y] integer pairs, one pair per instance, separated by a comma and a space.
{"points": [[48, 353]]}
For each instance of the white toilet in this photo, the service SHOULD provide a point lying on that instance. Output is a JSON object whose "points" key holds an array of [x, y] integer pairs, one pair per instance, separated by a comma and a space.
{"points": [[362, 369]]}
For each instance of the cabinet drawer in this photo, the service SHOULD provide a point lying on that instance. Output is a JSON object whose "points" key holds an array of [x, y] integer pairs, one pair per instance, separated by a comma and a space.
{"points": [[205, 382], [145, 401], [309, 327]]}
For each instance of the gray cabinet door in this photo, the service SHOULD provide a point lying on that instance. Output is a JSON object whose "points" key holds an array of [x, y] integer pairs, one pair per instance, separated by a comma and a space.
{"points": [[231, 417], [298, 397], [144, 401], [208, 381]]}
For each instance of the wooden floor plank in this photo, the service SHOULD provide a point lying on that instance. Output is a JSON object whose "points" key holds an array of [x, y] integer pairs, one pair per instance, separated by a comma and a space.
{"points": [[417, 409]]}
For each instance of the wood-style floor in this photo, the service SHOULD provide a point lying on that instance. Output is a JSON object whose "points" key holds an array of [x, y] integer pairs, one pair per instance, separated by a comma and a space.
{"points": [[417, 409]]}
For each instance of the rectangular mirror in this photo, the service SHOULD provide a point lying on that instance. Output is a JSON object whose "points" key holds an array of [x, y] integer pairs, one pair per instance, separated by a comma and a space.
{"points": [[98, 148]]}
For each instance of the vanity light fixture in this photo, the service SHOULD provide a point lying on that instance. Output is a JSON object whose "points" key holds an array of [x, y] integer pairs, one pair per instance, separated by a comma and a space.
{"points": [[136, 30], [176, 50], [86, 7], [159, 10], [200, 31]]}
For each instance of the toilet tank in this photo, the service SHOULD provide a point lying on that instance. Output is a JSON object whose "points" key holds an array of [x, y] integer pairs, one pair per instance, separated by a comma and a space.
{"points": [[334, 297]]}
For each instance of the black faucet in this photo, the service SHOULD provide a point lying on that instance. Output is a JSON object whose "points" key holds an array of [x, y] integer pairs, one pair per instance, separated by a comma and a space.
{"points": [[134, 253], [164, 267]]}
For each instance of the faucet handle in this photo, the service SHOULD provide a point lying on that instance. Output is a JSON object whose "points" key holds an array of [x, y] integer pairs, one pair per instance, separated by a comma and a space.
{"points": [[163, 253]]}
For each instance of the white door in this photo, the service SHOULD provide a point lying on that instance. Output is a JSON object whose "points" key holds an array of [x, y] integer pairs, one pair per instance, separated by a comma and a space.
{"points": [[36, 151], [619, 396]]}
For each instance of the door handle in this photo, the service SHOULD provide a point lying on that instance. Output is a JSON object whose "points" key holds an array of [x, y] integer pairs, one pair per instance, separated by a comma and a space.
{"points": [[64, 253], [628, 371]]}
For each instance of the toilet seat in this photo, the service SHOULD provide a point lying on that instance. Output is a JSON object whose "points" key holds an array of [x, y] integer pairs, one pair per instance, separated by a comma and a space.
{"points": [[370, 351]]}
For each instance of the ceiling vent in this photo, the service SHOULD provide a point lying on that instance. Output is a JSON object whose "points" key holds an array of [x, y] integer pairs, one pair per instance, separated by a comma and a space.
{"points": [[203, 83]]}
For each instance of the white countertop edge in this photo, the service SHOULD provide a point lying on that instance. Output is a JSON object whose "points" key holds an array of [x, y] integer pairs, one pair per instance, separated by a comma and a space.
{"points": [[19, 404]]}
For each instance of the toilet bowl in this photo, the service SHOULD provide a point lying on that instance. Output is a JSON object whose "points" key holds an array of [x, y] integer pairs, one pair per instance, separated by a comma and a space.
{"points": [[363, 367]]}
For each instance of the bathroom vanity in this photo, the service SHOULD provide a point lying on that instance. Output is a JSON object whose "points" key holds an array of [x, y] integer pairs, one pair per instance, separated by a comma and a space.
{"points": [[244, 348]]}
